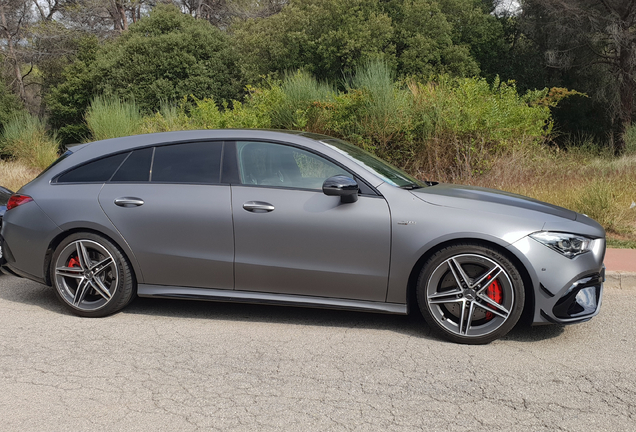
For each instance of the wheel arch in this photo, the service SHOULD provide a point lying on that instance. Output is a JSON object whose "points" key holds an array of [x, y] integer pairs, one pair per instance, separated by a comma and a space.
{"points": [[528, 308], [55, 242]]}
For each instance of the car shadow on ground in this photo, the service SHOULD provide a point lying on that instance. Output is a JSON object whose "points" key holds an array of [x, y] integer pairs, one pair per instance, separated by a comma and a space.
{"points": [[23, 291], [526, 333], [411, 325]]}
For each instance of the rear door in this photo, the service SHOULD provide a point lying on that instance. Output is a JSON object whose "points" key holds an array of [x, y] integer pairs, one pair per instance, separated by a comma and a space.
{"points": [[169, 205]]}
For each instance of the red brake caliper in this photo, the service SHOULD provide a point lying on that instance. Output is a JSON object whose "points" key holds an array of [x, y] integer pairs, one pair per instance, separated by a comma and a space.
{"points": [[494, 292], [74, 262]]}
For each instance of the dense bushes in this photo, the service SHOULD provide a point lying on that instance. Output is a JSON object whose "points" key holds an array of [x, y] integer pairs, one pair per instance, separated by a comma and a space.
{"points": [[444, 129], [162, 58], [329, 37]]}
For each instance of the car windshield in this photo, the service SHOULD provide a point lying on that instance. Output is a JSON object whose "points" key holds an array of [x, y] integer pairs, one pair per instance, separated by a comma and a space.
{"points": [[390, 174]]}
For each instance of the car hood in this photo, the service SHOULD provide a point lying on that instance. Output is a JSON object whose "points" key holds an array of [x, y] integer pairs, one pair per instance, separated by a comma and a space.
{"points": [[490, 200]]}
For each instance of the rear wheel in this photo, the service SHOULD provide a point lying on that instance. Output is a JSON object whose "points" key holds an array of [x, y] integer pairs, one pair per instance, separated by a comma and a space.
{"points": [[470, 293], [91, 275]]}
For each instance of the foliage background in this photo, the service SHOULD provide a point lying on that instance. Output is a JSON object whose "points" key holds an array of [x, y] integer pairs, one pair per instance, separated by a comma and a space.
{"points": [[537, 100]]}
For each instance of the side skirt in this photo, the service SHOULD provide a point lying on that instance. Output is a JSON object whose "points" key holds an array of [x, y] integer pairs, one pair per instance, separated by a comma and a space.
{"points": [[175, 292]]}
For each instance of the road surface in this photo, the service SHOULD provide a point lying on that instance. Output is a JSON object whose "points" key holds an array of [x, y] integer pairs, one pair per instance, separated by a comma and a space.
{"points": [[194, 366]]}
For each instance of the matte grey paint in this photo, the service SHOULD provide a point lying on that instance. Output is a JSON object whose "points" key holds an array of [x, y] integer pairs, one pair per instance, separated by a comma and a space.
{"points": [[345, 253], [182, 234], [445, 194], [306, 245]]}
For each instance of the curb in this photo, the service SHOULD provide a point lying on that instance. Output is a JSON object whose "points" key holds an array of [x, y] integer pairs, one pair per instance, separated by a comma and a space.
{"points": [[620, 280]]}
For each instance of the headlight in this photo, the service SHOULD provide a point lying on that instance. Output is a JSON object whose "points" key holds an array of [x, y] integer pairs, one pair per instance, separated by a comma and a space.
{"points": [[568, 245]]}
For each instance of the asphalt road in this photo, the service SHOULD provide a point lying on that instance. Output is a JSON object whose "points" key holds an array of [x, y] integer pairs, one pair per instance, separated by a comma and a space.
{"points": [[187, 366]]}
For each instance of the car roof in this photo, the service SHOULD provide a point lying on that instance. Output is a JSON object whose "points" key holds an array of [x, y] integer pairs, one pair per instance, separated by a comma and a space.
{"points": [[86, 152]]}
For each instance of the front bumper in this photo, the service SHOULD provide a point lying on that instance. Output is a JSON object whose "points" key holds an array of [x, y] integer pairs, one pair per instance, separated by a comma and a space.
{"points": [[580, 302], [565, 291]]}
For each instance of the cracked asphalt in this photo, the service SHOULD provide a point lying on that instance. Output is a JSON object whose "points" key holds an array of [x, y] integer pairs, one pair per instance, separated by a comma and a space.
{"points": [[189, 366]]}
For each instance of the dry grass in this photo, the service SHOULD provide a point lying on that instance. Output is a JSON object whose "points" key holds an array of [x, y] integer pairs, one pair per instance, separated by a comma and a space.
{"points": [[600, 187], [15, 174], [25, 138]]}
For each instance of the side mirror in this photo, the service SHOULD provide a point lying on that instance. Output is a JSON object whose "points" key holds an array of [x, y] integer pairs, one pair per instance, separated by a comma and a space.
{"points": [[344, 187]]}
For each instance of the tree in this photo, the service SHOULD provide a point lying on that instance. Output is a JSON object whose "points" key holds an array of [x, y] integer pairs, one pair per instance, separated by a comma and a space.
{"points": [[329, 37], [163, 57], [15, 17], [221, 13], [593, 44], [9, 104], [325, 37], [428, 41]]}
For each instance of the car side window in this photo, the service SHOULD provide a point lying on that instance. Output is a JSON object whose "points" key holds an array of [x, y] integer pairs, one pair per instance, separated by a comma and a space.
{"points": [[136, 168], [269, 164], [198, 162], [98, 171]]}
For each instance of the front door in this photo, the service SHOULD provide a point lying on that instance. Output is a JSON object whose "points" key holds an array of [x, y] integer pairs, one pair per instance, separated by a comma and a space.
{"points": [[291, 238]]}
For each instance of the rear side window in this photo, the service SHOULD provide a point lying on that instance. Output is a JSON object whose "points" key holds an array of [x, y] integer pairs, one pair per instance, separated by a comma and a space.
{"points": [[98, 171], [188, 163], [136, 168]]}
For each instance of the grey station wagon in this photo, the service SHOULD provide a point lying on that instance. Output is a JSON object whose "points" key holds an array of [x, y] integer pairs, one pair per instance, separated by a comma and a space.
{"points": [[297, 219]]}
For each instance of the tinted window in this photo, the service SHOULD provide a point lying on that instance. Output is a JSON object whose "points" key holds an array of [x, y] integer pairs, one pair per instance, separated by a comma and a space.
{"points": [[187, 163], [136, 168], [66, 154], [97, 171], [280, 165]]}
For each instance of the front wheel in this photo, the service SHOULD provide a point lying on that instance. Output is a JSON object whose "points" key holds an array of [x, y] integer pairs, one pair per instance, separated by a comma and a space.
{"points": [[91, 275], [470, 293]]}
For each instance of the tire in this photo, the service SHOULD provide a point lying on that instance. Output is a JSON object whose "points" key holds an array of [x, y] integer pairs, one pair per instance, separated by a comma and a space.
{"points": [[91, 276], [470, 293]]}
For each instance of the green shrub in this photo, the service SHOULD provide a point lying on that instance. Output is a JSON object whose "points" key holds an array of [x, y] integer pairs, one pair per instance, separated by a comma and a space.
{"points": [[599, 200], [630, 139], [163, 57], [298, 93], [9, 104], [169, 118], [444, 129], [24, 138], [385, 108], [109, 117]]}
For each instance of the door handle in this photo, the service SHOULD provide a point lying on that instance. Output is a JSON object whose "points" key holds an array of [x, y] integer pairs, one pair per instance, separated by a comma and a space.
{"points": [[129, 202], [258, 207]]}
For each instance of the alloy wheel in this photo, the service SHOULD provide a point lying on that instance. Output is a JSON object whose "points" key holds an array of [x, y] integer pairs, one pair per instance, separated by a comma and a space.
{"points": [[86, 275], [470, 295]]}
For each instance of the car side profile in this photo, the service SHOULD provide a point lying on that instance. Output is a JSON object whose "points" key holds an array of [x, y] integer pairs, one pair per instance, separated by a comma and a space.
{"points": [[299, 219]]}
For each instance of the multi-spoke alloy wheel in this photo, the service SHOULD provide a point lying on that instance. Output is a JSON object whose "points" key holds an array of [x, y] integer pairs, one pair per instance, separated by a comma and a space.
{"points": [[471, 293], [91, 276]]}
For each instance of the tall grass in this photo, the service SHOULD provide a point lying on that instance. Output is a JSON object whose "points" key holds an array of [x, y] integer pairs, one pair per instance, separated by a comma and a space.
{"points": [[385, 106], [298, 92], [25, 138], [15, 174], [630, 139], [109, 117]]}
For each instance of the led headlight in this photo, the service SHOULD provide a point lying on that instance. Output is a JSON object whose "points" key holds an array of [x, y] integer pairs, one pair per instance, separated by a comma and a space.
{"points": [[568, 245]]}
